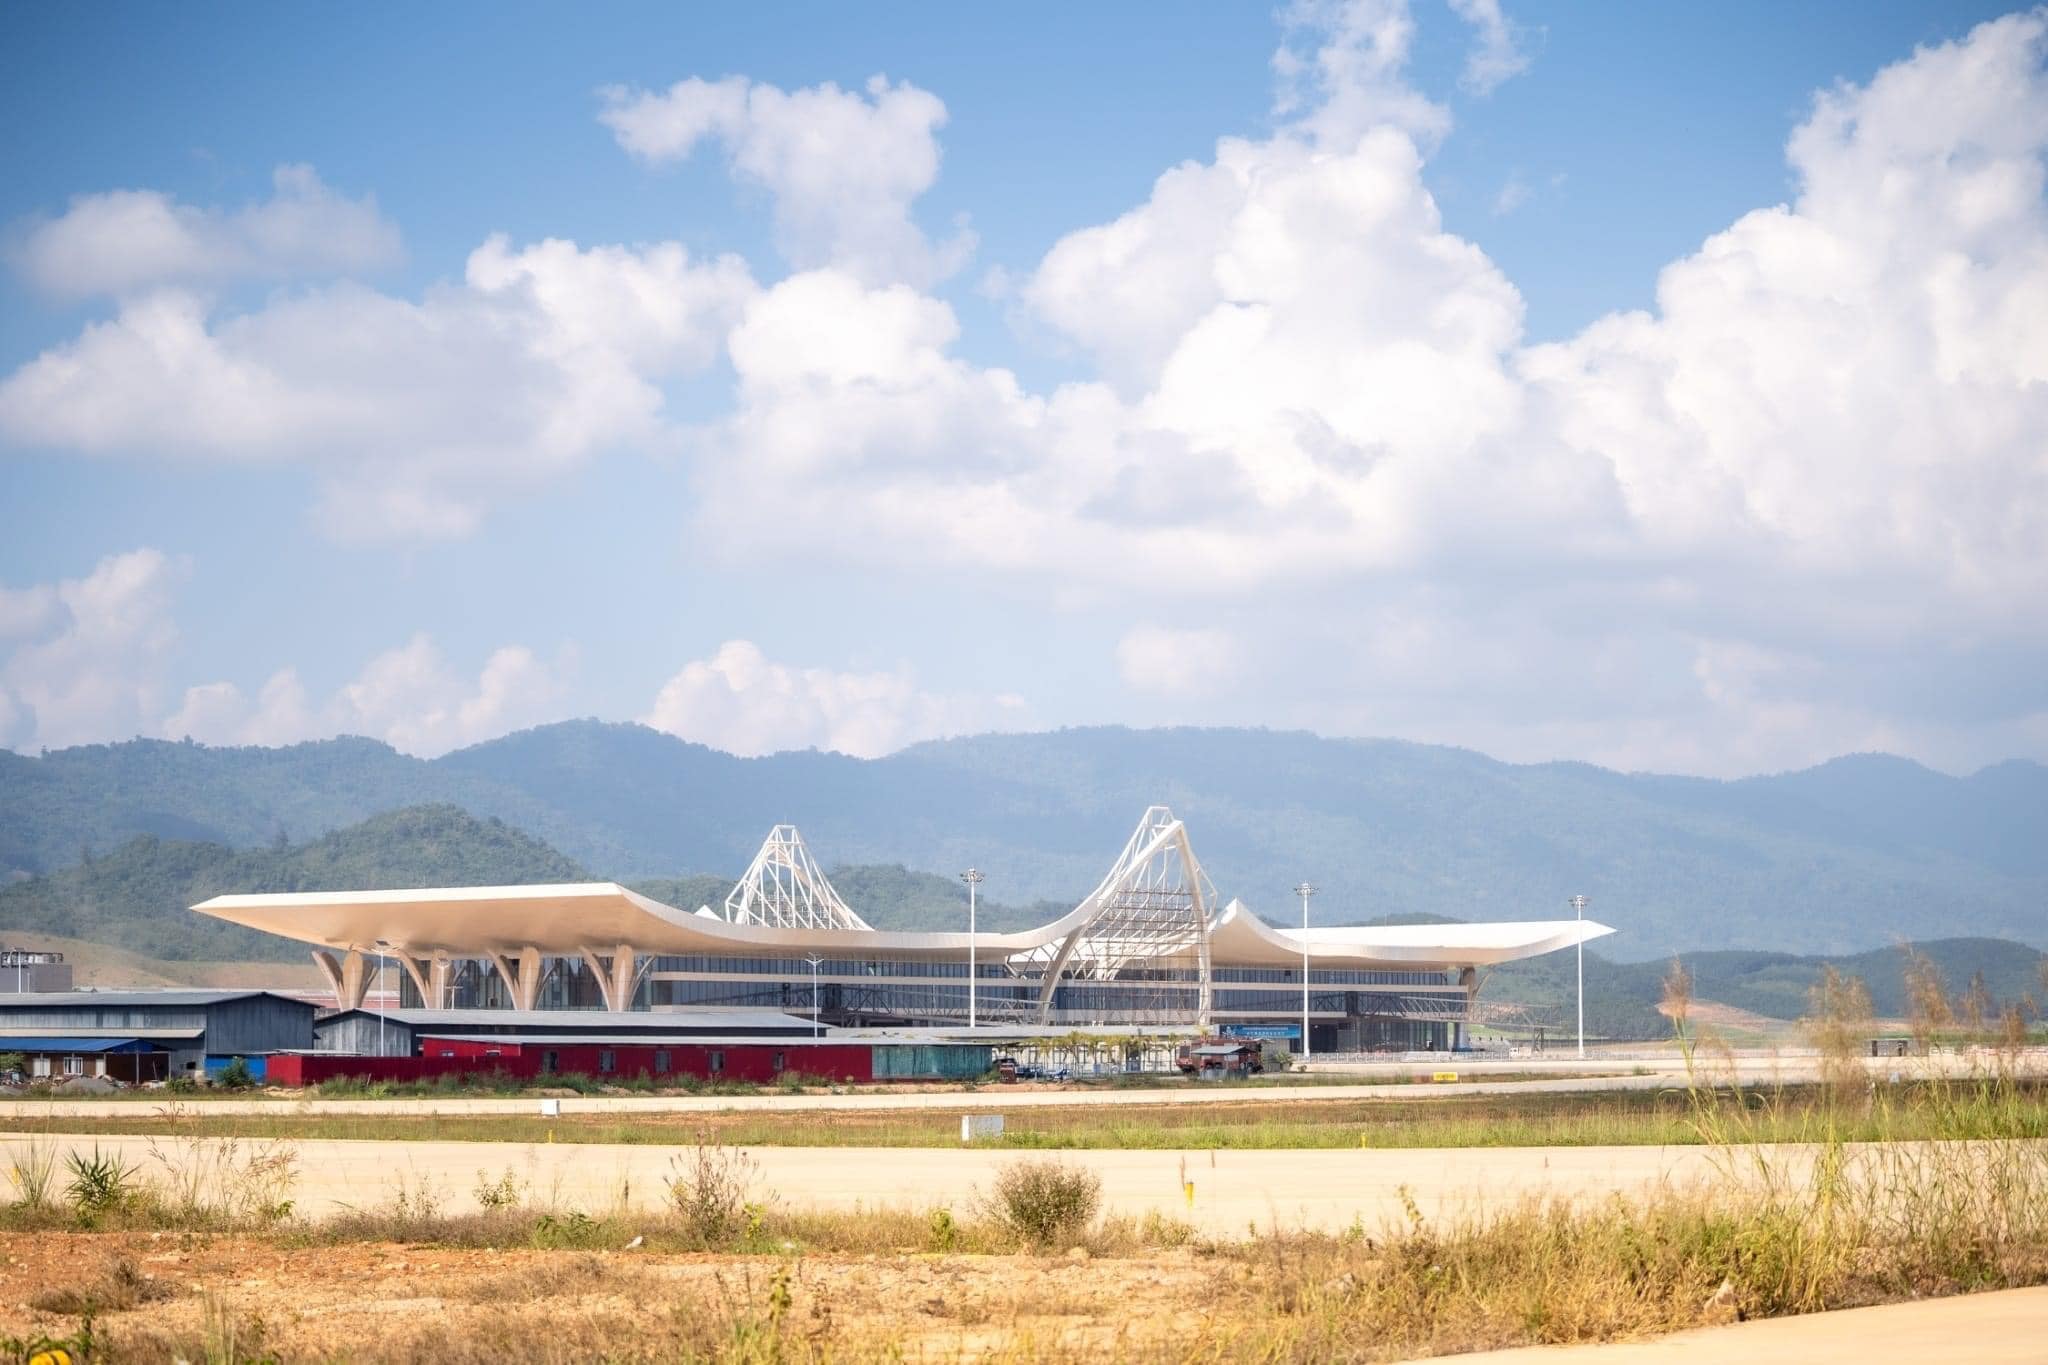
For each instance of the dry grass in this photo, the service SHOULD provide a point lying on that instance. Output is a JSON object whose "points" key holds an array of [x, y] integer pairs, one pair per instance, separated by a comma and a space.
{"points": [[554, 1277], [1952, 1197], [120, 1285], [1770, 1237], [1613, 1119]]}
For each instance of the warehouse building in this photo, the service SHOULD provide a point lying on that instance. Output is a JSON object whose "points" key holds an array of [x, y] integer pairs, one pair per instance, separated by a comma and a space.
{"points": [[148, 1035], [399, 1033]]}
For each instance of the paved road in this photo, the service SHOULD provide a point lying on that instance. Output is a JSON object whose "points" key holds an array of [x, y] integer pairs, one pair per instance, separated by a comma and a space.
{"points": [[2005, 1328], [1234, 1190], [1655, 1077]]}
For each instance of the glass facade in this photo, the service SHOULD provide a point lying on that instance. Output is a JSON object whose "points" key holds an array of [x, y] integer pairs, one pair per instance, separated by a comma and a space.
{"points": [[1409, 1009]]}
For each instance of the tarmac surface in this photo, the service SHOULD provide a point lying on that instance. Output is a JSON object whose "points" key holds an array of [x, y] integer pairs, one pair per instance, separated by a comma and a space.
{"points": [[2008, 1327], [1234, 1192]]}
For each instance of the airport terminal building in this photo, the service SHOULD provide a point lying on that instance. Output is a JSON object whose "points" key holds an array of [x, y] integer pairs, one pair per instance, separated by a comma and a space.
{"points": [[1153, 946]]}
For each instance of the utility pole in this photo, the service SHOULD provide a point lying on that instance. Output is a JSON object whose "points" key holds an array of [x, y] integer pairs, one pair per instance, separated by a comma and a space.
{"points": [[814, 960], [1305, 890], [1579, 912], [973, 878]]}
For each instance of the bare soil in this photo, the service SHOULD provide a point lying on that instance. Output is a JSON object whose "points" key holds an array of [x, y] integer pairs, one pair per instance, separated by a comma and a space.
{"points": [[388, 1301]]}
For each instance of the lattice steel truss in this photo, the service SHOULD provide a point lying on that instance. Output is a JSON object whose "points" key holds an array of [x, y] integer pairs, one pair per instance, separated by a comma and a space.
{"points": [[784, 889], [1146, 936]]}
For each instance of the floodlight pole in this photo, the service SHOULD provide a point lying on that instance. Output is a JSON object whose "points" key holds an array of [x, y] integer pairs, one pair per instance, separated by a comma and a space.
{"points": [[1305, 890], [814, 960], [973, 878], [1579, 912], [380, 945]]}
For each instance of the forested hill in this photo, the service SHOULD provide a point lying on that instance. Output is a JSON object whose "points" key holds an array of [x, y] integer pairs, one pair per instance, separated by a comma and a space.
{"points": [[1849, 856], [1622, 997], [137, 896]]}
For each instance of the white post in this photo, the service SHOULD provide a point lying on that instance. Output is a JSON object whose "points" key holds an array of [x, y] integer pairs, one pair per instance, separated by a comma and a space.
{"points": [[814, 960], [1579, 912], [380, 946], [1304, 891], [973, 878]]}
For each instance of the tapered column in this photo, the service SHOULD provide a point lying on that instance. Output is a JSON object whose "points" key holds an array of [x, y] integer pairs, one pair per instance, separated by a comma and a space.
{"points": [[348, 978], [522, 975], [614, 973], [429, 977]]}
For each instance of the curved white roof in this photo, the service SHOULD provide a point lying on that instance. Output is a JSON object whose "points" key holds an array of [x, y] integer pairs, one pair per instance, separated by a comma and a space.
{"points": [[563, 919]]}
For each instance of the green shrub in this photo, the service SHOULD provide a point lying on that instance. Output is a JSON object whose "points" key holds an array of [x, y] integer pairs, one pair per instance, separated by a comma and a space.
{"points": [[100, 1184], [709, 1188], [1044, 1199], [236, 1075], [507, 1191]]}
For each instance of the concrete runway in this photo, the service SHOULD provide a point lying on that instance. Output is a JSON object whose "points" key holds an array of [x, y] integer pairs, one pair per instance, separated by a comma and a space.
{"points": [[2009, 1327], [1235, 1191]]}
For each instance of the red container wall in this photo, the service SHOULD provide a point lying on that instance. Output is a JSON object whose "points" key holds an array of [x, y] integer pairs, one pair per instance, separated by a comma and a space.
{"points": [[755, 1062]]}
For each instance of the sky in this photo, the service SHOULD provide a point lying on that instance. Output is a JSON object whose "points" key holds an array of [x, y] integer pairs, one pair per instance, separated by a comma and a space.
{"points": [[1660, 387]]}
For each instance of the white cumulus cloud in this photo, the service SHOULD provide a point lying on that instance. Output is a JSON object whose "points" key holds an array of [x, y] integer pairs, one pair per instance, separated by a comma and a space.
{"points": [[123, 240], [843, 166], [414, 415], [410, 697], [83, 656], [741, 701]]}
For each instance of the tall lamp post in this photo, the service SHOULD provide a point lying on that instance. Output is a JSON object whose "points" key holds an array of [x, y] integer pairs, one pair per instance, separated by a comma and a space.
{"points": [[815, 962], [1305, 890], [973, 877], [380, 945], [1579, 912]]}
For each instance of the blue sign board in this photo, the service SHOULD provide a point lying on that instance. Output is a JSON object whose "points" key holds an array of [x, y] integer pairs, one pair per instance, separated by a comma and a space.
{"points": [[1261, 1031]]}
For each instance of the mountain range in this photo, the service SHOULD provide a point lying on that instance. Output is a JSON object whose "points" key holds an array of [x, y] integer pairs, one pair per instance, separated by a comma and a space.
{"points": [[134, 899], [1849, 856]]}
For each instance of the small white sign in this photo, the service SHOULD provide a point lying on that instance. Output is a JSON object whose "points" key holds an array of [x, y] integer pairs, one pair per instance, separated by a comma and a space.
{"points": [[974, 1126], [551, 1109]]}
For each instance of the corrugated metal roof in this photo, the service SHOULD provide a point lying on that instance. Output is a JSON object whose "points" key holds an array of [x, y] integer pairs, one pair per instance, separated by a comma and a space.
{"points": [[635, 1039], [13, 1035], [654, 1021], [130, 1044], [129, 999]]}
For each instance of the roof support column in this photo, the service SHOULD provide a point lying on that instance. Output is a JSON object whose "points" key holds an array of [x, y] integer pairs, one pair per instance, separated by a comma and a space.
{"points": [[349, 978], [521, 974], [429, 978], [614, 975], [1468, 977]]}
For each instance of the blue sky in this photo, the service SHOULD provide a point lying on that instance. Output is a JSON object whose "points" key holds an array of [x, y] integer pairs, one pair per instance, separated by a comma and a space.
{"points": [[1372, 447]]}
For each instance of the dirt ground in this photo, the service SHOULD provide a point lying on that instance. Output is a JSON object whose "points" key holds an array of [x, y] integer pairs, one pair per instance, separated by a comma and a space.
{"points": [[388, 1301]]}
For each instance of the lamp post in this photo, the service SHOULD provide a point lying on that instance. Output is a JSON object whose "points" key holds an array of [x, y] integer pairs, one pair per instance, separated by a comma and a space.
{"points": [[973, 877], [815, 961], [1305, 890], [380, 945], [1579, 913]]}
